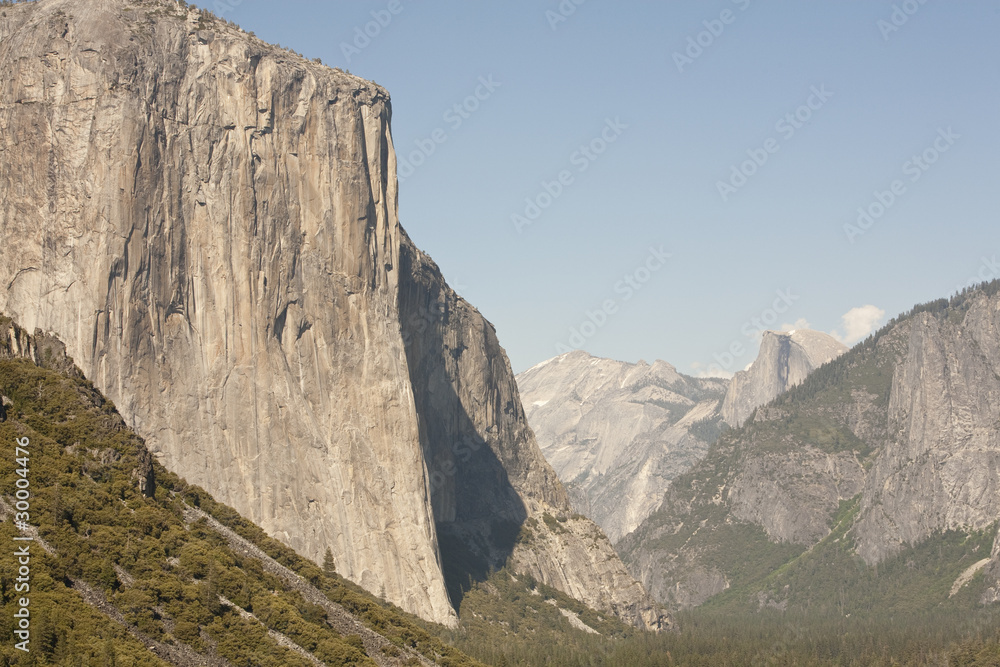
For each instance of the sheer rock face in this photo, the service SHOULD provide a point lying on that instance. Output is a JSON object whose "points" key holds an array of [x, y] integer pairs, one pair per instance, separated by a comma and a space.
{"points": [[616, 432], [941, 470], [792, 495], [209, 223], [785, 360]]}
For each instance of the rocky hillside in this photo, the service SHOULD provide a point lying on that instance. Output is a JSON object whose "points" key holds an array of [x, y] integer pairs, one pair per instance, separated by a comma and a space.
{"points": [[785, 360], [617, 433], [209, 223], [130, 565], [883, 461]]}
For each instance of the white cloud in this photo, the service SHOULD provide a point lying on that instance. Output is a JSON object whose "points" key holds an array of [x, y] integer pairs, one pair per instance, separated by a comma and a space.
{"points": [[858, 323], [800, 323]]}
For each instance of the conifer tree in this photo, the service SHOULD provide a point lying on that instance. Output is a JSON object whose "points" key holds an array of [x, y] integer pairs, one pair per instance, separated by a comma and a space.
{"points": [[329, 564]]}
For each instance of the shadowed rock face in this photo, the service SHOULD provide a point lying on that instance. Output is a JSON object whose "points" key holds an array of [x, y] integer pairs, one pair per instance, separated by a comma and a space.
{"points": [[785, 360], [617, 433], [210, 225], [487, 475]]}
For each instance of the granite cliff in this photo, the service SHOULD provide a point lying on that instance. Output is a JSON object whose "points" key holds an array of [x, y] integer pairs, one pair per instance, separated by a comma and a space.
{"points": [[119, 546], [209, 223]]}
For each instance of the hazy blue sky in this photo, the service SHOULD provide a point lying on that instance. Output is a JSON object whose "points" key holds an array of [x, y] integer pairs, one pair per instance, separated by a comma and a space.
{"points": [[872, 83]]}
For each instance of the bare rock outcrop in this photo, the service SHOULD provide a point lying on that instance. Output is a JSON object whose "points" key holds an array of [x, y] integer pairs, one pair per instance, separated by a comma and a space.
{"points": [[792, 495], [992, 593], [558, 548], [41, 349]]}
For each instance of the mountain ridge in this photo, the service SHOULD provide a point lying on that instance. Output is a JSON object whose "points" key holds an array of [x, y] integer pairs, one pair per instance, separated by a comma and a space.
{"points": [[618, 433]]}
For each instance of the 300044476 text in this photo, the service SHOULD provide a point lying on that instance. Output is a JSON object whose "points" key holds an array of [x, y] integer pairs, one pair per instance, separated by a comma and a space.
{"points": [[22, 552]]}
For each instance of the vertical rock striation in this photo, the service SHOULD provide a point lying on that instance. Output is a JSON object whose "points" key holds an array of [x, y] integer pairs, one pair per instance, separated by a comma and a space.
{"points": [[210, 225], [487, 475]]}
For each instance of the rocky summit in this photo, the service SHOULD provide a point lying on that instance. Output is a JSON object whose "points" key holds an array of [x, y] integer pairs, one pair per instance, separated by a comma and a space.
{"points": [[785, 359], [210, 225]]}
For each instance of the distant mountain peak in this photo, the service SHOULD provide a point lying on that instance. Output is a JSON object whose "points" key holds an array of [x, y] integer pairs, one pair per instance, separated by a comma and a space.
{"points": [[617, 432], [785, 359]]}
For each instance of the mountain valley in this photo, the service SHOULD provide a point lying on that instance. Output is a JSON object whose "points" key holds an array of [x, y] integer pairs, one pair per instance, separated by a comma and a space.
{"points": [[248, 422]]}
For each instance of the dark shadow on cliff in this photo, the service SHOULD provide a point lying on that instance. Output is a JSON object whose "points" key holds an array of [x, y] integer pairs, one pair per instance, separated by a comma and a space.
{"points": [[477, 511]]}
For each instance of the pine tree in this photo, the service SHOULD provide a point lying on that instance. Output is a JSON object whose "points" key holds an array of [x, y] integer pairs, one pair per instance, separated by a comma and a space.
{"points": [[329, 564]]}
